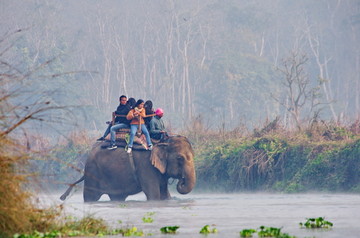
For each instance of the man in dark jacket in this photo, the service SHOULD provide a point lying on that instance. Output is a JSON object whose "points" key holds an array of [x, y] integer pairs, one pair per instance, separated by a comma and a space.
{"points": [[120, 120], [157, 128], [122, 109]]}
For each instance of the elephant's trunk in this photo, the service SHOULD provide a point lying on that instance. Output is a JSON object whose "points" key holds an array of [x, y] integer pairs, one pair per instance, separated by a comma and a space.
{"points": [[187, 182]]}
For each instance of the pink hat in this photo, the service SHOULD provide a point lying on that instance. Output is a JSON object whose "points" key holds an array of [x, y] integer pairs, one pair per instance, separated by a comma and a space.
{"points": [[159, 112]]}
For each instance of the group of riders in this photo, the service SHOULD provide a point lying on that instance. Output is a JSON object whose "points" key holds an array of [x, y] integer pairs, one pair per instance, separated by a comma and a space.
{"points": [[138, 116]]}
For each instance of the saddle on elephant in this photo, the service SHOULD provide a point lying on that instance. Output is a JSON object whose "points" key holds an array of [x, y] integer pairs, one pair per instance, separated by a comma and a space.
{"points": [[122, 136]]}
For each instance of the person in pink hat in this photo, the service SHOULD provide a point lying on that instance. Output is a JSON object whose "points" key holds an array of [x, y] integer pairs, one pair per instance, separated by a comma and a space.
{"points": [[157, 127]]}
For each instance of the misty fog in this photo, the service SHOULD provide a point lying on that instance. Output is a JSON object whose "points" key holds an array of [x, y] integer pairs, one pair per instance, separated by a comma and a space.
{"points": [[223, 63]]}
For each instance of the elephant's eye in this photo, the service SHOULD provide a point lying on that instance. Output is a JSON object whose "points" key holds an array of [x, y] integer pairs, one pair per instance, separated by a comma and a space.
{"points": [[180, 159]]}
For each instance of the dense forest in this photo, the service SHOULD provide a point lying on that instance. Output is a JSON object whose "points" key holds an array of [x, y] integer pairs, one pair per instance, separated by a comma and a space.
{"points": [[230, 63]]}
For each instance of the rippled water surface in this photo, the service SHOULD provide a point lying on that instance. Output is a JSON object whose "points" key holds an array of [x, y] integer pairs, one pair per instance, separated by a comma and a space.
{"points": [[229, 213]]}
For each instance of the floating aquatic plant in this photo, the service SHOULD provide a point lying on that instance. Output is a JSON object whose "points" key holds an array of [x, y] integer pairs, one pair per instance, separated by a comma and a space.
{"points": [[133, 231], [247, 232], [272, 232], [207, 230], [147, 218], [169, 229], [319, 222]]}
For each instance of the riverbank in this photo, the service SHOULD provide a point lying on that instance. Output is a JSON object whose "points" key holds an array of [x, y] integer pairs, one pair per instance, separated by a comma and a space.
{"points": [[323, 159]]}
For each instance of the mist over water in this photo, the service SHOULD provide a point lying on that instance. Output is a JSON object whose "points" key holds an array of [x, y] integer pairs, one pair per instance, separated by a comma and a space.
{"points": [[229, 213]]}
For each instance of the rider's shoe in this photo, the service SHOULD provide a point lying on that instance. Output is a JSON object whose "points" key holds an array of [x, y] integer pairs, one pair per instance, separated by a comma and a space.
{"points": [[101, 139], [112, 147], [129, 150]]}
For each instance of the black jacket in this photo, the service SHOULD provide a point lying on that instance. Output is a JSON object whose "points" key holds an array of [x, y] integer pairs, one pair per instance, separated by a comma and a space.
{"points": [[122, 110]]}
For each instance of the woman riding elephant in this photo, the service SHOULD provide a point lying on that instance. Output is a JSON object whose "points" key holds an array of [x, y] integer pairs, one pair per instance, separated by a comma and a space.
{"points": [[137, 116], [118, 174]]}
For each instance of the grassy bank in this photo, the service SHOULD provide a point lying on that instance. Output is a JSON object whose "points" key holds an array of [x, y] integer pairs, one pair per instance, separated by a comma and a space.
{"points": [[324, 158]]}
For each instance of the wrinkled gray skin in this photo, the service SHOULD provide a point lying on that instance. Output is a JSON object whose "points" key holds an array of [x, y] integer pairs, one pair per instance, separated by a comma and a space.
{"points": [[110, 171]]}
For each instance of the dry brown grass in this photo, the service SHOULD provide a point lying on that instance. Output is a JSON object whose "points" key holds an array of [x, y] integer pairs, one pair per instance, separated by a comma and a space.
{"points": [[17, 212], [14, 202]]}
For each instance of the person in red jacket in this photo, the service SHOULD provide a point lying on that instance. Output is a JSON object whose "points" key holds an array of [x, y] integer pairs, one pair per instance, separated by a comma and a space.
{"points": [[136, 116]]}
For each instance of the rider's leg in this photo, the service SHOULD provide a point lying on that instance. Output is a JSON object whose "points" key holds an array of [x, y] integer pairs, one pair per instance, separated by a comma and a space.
{"points": [[146, 133]]}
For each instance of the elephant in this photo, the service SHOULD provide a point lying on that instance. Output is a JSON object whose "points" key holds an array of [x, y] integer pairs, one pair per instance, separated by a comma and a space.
{"points": [[119, 174]]}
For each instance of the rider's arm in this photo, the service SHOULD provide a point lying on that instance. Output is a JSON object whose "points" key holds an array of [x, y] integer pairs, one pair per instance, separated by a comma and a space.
{"points": [[153, 127], [143, 113], [130, 115]]}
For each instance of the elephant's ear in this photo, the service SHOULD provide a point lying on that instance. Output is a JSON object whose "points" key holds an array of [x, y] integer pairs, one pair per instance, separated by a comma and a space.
{"points": [[158, 157]]}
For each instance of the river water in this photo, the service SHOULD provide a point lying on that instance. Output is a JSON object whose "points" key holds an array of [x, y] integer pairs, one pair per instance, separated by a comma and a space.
{"points": [[229, 213]]}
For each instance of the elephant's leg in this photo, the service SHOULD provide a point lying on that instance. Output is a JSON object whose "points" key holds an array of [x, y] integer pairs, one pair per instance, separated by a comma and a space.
{"points": [[152, 193], [91, 195], [165, 195], [117, 197], [164, 191], [150, 185]]}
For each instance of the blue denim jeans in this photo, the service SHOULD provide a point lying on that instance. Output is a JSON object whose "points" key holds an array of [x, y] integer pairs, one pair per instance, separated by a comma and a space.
{"points": [[107, 132], [113, 130], [133, 129]]}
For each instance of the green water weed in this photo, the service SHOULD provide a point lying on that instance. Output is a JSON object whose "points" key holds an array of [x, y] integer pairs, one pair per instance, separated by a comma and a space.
{"points": [[133, 231], [148, 217], [36, 234], [207, 230], [247, 232], [169, 229], [272, 232], [319, 222]]}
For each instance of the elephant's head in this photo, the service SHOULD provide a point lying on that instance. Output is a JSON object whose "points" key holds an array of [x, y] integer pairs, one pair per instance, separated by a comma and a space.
{"points": [[175, 158]]}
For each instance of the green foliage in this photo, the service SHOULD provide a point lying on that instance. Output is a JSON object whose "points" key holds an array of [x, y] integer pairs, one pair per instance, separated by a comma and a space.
{"points": [[207, 230], [319, 222], [247, 232], [169, 229], [70, 228], [272, 147], [36, 234], [148, 217], [87, 226], [334, 169], [215, 168], [242, 166], [272, 232], [133, 231], [280, 164], [264, 231]]}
